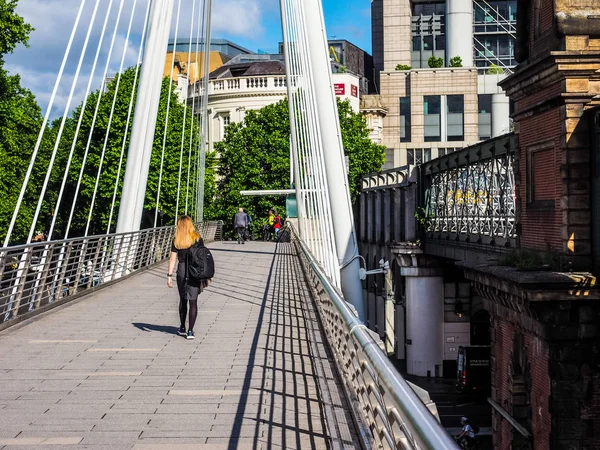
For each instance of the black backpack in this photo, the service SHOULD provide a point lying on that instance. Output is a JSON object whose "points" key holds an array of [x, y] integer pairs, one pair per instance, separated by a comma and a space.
{"points": [[200, 263]]}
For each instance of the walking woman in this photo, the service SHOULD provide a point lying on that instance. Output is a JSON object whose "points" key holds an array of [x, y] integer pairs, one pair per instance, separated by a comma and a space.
{"points": [[189, 288]]}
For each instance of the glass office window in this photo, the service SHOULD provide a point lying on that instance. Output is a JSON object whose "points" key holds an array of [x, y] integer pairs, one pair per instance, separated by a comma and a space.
{"points": [[410, 156], [405, 126], [440, 42], [455, 118], [432, 113], [428, 42], [416, 43], [485, 116]]}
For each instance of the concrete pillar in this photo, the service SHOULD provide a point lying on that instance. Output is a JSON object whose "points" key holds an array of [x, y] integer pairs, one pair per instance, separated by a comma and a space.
{"points": [[400, 331], [500, 114], [459, 31], [424, 322]]}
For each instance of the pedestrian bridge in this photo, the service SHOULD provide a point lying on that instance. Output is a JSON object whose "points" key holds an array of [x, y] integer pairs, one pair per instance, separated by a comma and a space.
{"points": [[276, 363]]}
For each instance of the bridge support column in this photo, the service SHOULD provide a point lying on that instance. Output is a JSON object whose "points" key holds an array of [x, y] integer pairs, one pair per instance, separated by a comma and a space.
{"points": [[335, 167], [500, 114], [144, 119], [424, 311]]}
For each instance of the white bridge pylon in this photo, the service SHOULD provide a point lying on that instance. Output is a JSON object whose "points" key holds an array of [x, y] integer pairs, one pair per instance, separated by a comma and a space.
{"points": [[325, 212]]}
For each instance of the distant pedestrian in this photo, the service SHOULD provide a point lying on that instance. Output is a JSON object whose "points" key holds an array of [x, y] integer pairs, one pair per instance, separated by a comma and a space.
{"points": [[189, 288], [271, 223], [240, 223], [248, 233], [277, 223]]}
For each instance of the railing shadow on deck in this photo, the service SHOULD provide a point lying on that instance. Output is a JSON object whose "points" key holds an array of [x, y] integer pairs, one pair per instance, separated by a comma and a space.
{"points": [[386, 408]]}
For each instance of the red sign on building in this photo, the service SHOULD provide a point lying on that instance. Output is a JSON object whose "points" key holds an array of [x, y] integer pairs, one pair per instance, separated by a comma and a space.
{"points": [[354, 90], [340, 89]]}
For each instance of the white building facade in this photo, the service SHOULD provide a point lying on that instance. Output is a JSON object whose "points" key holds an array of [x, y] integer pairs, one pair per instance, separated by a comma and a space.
{"points": [[232, 92]]}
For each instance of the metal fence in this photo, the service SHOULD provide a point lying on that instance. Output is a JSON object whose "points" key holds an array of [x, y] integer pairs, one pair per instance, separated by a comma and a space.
{"points": [[395, 415], [469, 195], [37, 275]]}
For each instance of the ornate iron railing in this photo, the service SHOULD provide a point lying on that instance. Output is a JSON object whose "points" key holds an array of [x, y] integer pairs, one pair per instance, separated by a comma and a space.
{"points": [[40, 275], [469, 195], [396, 417]]}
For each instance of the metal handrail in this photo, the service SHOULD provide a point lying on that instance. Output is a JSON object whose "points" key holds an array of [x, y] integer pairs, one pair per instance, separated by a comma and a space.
{"points": [[393, 412], [36, 275]]}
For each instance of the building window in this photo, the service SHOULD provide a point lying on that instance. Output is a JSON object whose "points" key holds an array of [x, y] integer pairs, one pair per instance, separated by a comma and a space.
{"points": [[389, 158], [427, 42], [455, 125], [432, 113], [415, 156], [224, 119], [485, 116], [440, 42], [541, 176], [405, 126], [416, 43]]}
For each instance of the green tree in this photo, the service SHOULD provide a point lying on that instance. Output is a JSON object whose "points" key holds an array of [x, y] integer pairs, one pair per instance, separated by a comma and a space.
{"points": [[403, 67], [495, 70], [20, 122], [456, 62], [255, 155], [435, 62], [170, 183]]}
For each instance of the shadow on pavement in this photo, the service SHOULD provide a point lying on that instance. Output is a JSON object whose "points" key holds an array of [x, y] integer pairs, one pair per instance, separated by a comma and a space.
{"points": [[160, 328]]}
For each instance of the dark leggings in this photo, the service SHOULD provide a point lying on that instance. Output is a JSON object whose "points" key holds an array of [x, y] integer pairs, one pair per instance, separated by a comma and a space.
{"points": [[183, 307]]}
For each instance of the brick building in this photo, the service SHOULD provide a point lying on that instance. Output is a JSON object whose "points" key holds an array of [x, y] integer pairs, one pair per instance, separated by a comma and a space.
{"points": [[545, 340], [544, 321]]}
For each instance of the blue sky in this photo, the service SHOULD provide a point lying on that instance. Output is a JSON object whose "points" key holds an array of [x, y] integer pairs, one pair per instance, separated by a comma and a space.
{"points": [[349, 19], [254, 24]]}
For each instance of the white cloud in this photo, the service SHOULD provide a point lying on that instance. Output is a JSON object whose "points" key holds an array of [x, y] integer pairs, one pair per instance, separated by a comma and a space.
{"points": [[53, 22]]}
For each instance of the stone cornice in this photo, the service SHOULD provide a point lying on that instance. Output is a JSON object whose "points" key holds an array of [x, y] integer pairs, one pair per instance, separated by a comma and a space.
{"points": [[537, 74], [527, 299]]}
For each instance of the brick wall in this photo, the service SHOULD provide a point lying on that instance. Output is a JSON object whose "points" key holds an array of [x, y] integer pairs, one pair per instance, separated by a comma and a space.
{"points": [[502, 343], [540, 225], [593, 443], [537, 356], [543, 37]]}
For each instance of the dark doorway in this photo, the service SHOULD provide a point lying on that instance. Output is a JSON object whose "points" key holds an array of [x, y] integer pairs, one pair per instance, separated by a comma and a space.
{"points": [[480, 328]]}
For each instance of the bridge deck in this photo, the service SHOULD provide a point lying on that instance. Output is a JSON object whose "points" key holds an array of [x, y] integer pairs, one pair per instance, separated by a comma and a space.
{"points": [[110, 371]]}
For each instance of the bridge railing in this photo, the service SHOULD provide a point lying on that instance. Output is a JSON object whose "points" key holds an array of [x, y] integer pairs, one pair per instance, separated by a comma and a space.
{"points": [[469, 195], [395, 415], [40, 275]]}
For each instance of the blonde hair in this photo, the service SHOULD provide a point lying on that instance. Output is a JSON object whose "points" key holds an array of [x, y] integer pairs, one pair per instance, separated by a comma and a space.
{"points": [[185, 234]]}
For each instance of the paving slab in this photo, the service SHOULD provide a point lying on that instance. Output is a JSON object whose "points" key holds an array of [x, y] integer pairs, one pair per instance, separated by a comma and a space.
{"points": [[111, 372]]}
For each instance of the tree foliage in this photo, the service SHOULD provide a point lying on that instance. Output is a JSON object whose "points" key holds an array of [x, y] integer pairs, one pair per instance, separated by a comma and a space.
{"points": [[495, 70], [98, 134], [456, 62], [20, 121], [114, 138], [435, 62], [255, 155]]}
